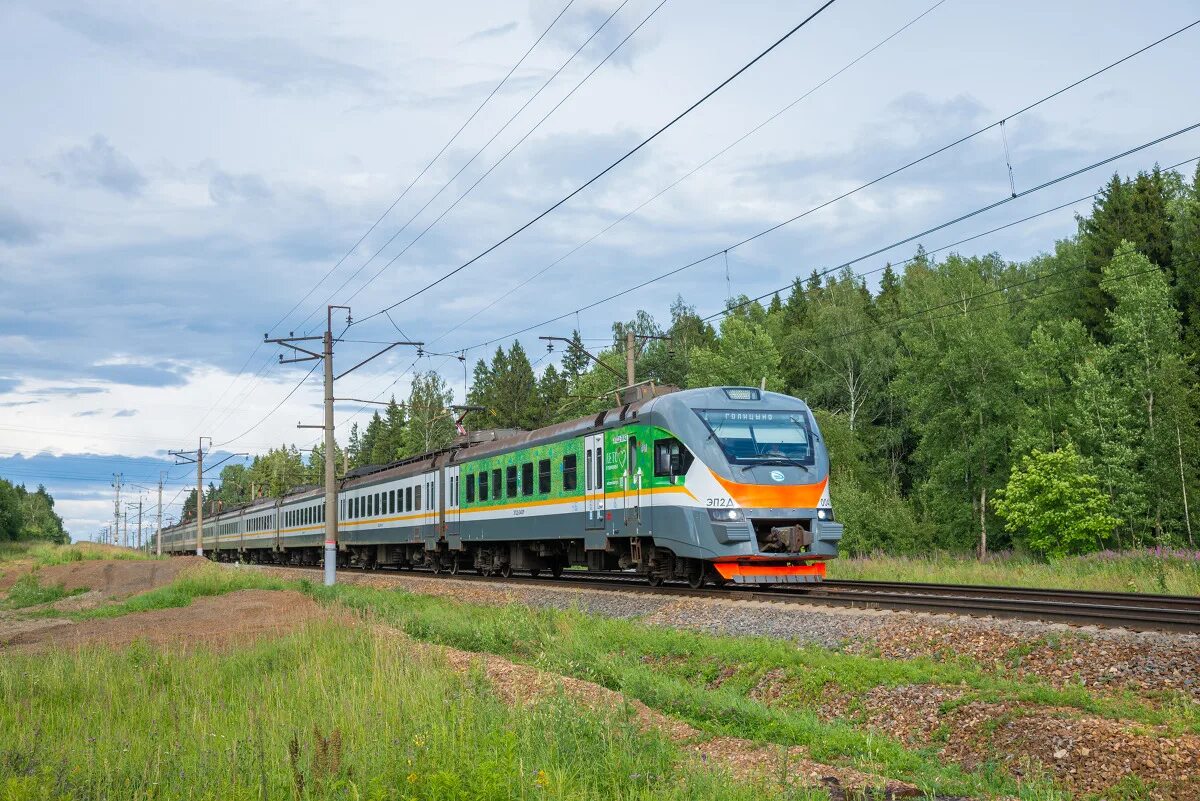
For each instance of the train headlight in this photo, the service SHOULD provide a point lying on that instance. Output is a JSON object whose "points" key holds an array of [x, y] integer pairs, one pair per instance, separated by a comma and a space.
{"points": [[726, 515], [824, 514]]}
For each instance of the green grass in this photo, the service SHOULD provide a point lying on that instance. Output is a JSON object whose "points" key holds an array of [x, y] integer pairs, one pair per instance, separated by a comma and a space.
{"points": [[202, 581], [1161, 571], [29, 591], [673, 671], [330, 712], [47, 553]]}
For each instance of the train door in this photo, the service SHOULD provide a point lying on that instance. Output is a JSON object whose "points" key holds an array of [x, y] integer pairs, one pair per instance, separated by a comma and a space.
{"points": [[593, 481], [632, 483], [429, 499], [452, 499]]}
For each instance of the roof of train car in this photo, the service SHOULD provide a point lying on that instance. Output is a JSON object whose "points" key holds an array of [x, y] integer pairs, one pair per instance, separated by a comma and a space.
{"points": [[491, 442]]}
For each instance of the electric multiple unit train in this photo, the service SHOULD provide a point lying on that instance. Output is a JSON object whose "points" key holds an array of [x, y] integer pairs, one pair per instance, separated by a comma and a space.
{"points": [[718, 484]]}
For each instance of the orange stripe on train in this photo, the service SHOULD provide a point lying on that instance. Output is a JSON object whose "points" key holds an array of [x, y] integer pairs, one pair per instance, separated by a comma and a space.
{"points": [[770, 496]]}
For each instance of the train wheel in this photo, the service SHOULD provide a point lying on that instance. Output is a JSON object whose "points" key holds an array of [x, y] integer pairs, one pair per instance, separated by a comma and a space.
{"points": [[696, 575], [454, 567], [534, 572], [506, 570], [655, 579], [437, 566], [556, 569]]}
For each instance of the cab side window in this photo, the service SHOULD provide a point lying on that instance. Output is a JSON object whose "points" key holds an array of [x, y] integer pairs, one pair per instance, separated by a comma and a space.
{"points": [[671, 458]]}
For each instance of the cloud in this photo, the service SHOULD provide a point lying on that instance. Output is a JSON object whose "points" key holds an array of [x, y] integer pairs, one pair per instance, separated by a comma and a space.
{"points": [[15, 230], [88, 413], [99, 164], [8, 385], [141, 375], [269, 63], [125, 413], [71, 392], [226, 188], [492, 33]]}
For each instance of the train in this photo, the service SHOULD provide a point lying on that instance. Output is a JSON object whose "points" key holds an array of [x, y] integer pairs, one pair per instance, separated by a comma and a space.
{"points": [[714, 485]]}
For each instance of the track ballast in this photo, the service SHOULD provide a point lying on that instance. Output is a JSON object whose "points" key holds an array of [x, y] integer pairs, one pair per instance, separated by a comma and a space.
{"points": [[1134, 611]]}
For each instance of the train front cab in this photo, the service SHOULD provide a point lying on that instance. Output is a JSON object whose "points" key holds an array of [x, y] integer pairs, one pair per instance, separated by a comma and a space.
{"points": [[757, 484]]}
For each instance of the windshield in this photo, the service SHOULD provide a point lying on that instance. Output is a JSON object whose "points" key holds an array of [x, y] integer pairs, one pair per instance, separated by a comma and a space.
{"points": [[761, 437]]}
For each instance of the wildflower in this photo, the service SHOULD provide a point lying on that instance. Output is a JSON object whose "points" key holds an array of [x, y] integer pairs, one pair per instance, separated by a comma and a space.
{"points": [[412, 778], [419, 742], [542, 780]]}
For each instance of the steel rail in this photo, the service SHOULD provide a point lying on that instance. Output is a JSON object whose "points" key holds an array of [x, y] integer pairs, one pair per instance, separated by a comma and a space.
{"points": [[1083, 610], [1181, 602]]}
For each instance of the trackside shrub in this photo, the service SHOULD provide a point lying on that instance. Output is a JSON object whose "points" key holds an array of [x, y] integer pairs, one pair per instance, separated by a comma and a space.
{"points": [[1055, 504]]}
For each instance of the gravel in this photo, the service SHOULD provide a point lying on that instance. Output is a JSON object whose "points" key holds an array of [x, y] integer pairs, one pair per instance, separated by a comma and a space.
{"points": [[1061, 654]]}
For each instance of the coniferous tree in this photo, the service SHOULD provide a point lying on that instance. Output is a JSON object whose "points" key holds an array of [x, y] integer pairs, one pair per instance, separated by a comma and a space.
{"points": [[1132, 210], [575, 360], [1186, 257]]}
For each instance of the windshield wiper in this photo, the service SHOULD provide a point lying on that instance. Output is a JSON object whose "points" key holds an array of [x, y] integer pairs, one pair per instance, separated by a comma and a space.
{"points": [[779, 458]]}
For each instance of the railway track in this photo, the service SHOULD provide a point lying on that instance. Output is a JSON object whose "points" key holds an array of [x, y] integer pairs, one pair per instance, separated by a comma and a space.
{"points": [[1134, 611]]}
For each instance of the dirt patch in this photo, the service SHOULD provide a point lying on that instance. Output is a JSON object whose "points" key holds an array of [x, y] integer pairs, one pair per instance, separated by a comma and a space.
{"points": [[522, 684], [117, 578], [1083, 754], [1080, 753], [910, 713], [12, 572], [219, 621], [1061, 660]]}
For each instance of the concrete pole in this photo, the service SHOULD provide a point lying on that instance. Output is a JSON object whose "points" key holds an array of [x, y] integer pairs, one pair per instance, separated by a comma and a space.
{"points": [[200, 497], [139, 533], [116, 508], [331, 510], [125, 530], [158, 536], [629, 346]]}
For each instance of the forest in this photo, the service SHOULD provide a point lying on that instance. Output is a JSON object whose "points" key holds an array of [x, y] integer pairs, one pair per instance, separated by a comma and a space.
{"points": [[970, 403], [26, 515]]}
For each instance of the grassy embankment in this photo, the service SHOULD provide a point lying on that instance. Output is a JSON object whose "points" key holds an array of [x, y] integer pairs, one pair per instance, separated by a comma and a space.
{"points": [[1166, 571], [671, 671], [32, 556], [330, 712]]}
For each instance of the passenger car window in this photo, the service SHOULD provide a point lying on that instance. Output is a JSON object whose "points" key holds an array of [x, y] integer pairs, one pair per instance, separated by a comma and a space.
{"points": [[568, 471], [527, 478], [544, 476], [510, 477]]}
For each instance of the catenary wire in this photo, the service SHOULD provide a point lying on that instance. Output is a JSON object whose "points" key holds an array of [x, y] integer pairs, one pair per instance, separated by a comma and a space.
{"points": [[823, 273], [865, 185], [692, 171], [938, 227], [388, 210], [428, 165], [468, 163], [614, 164], [509, 152]]}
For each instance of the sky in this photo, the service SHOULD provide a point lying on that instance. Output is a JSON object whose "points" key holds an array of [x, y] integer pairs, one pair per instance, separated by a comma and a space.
{"points": [[179, 179]]}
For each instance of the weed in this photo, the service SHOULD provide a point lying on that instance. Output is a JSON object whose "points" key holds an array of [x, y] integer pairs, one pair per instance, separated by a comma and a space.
{"points": [[29, 591], [328, 712], [1155, 570]]}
